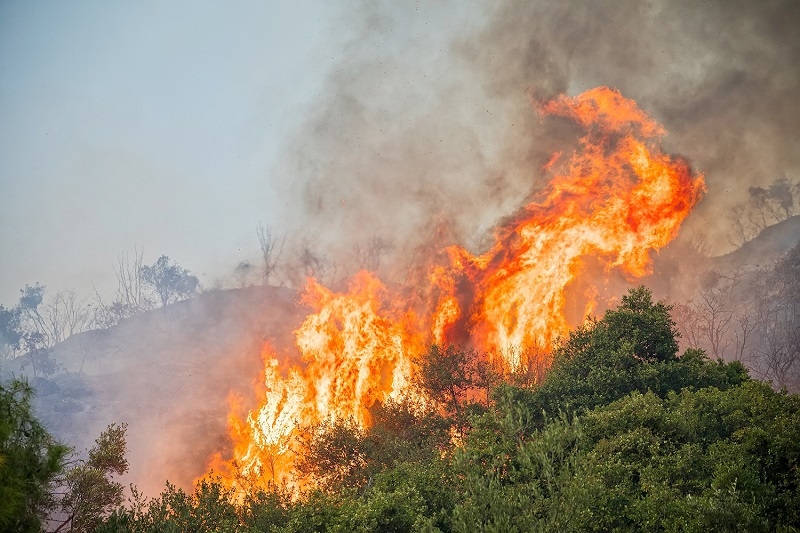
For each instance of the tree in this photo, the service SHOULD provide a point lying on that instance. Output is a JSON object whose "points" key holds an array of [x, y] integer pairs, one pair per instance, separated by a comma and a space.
{"points": [[89, 492], [67, 314], [775, 303], [764, 207], [458, 379], [36, 323], [335, 455], [632, 348], [10, 335], [339, 455], [41, 362], [624, 435], [719, 319], [369, 254], [34, 330], [271, 250], [314, 264], [30, 460], [170, 281], [242, 273], [131, 297]]}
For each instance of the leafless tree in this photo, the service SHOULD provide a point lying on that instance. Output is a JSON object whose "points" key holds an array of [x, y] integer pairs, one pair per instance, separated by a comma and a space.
{"points": [[314, 264], [775, 355], [742, 230], [529, 365], [271, 250], [719, 319], [688, 324], [43, 322], [369, 254], [66, 314], [132, 295]]}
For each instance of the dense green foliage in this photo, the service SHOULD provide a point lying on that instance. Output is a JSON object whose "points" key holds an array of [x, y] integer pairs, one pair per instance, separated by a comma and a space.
{"points": [[42, 486], [622, 435], [30, 460]]}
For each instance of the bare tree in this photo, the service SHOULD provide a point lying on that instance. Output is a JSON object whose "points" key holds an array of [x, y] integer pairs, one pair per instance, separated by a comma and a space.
{"points": [[686, 319], [131, 289], [369, 254], [742, 230], [776, 355], [718, 320], [314, 264], [776, 302], [271, 250], [41, 323], [132, 295], [530, 365], [714, 312], [66, 314]]}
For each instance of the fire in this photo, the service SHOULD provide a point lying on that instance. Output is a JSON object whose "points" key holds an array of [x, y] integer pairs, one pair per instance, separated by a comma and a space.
{"points": [[617, 197], [357, 350]]}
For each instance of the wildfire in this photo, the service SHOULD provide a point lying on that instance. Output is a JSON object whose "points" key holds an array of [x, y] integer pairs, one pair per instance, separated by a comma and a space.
{"points": [[617, 197]]}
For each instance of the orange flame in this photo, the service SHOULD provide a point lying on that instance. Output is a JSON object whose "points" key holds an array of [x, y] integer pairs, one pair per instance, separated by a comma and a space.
{"points": [[617, 197], [356, 350]]}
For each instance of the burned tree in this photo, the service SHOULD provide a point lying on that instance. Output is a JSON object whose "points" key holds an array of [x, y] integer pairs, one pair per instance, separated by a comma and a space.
{"points": [[271, 250]]}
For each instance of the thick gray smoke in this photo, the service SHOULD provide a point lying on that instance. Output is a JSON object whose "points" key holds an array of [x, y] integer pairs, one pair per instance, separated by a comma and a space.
{"points": [[429, 119]]}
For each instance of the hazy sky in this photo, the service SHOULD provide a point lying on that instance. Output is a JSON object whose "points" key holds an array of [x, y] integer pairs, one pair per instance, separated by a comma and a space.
{"points": [[176, 127], [148, 124]]}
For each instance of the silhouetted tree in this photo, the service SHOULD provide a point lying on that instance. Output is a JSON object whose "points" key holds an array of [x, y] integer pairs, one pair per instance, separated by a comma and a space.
{"points": [[271, 250], [10, 334], [764, 207], [775, 304], [169, 281], [369, 254]]}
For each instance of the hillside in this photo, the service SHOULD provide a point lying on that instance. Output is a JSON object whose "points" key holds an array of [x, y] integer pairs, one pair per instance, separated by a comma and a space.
{"points": [[166, 373], [764, 249]]}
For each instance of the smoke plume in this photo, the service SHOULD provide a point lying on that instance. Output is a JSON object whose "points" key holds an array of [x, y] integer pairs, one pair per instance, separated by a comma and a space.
{"points": [[428, 120]]}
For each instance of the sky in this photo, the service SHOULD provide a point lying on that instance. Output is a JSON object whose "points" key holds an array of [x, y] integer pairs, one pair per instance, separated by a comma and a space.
{"points": [[177, 127], [151, 125]]}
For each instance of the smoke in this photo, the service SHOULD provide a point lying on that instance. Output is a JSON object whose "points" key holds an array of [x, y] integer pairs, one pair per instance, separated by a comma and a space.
{"points": [[425, 136], [428, 120]]}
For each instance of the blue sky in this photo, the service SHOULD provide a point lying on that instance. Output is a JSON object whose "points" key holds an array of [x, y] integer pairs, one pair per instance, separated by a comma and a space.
{"points": [[148, 124]]}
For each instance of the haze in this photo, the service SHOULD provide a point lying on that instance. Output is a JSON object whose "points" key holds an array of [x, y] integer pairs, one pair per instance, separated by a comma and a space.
{"points": [[177, 128]]}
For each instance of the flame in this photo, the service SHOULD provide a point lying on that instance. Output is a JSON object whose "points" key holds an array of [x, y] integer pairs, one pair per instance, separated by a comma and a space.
{"points": [[357, 350], [617, 197]]}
